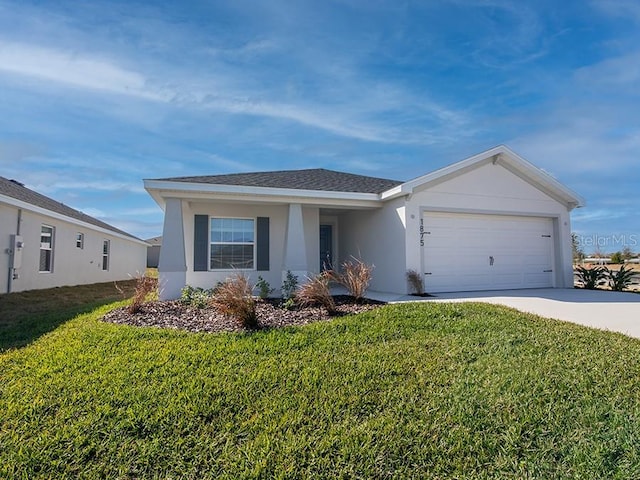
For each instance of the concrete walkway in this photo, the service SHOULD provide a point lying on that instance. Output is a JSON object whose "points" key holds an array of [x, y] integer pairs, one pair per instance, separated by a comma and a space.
{"points": [[606, 310]]}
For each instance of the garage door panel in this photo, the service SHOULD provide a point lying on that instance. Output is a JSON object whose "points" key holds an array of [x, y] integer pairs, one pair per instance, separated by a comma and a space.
{"points": [[465, 252]]}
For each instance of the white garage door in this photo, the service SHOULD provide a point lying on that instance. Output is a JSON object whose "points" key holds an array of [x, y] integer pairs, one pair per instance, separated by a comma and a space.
{"points": [[464, 252]]}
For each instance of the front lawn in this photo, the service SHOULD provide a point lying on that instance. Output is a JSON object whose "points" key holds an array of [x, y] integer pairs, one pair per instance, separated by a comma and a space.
{"points": [[404, 391]]}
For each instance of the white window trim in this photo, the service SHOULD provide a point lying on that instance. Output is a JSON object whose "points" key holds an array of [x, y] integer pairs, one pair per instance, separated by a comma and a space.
{"points": [[51, 248], [107, 255], [255, 243], [80, 240]]}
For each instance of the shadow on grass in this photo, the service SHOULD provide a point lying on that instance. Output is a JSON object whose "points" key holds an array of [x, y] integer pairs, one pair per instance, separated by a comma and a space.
{"points": [[26, 316]]}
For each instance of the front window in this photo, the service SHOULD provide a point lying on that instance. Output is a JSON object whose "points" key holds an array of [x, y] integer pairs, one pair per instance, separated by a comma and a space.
{"points": [[46, 248], [232, 243], [105, 254], [80, 240]]}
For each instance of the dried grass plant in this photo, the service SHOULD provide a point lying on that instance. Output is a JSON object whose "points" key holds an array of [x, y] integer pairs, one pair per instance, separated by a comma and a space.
{"points": [[316, 292], [234, 298]]}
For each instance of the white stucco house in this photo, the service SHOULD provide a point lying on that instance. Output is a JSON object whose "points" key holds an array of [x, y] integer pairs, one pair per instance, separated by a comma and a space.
{"points": [[492, 221], [44, 244]]}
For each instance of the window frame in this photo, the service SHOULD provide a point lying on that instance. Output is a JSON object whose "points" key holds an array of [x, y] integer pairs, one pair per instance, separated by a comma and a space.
{"points": [[80, 240], [50, 249], [106, 254], [210, 243]]}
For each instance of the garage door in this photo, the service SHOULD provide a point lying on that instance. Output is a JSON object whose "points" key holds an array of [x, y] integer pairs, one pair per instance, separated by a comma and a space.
{"points": [[464, 252]]}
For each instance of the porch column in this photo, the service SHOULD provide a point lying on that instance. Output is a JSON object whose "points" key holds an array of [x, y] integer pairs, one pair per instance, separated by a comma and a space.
{"points": [[295, 248], [172, 266]]}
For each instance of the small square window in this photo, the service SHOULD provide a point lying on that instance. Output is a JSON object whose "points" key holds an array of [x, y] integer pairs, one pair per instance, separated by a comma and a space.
{"points": [[80, 240]]}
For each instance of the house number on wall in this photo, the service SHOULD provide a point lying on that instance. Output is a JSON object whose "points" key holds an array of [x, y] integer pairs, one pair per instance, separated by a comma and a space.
{"points": [[422, 232]]}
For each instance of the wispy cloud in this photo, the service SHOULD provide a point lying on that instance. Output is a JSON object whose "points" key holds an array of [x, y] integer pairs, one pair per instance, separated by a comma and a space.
{"points": [[353, 118], [73, 69]]}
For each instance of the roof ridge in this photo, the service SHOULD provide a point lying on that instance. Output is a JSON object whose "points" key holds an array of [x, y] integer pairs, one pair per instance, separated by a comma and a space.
{"points": [[318, 179]]}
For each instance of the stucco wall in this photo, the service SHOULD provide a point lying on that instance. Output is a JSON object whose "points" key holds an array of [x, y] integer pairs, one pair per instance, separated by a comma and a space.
{"points": [[491, 189], [71, 265], [277, 214], [377, 237]]}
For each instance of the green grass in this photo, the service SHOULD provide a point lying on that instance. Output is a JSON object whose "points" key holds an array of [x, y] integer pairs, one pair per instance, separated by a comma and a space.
{"points": [[25, 316], [406, 391]]}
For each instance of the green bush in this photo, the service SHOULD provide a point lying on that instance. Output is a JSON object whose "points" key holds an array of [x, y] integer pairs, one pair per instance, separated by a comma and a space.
{"points": [[195, 296], [592, 278], [264, 288], [289, 286], [621, 279], [617, 258]]}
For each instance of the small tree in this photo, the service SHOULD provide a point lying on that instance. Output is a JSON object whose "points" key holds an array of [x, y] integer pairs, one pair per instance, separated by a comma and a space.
{"points": [[617, 258], [627, 253], [576, 248]]}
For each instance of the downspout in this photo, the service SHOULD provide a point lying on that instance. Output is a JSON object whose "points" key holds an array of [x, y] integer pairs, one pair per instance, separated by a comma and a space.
{"points": [[12, 254]]}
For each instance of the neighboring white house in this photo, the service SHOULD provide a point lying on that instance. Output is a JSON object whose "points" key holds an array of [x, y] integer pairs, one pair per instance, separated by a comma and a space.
{"points": [[44, 243], [492, 221], [153, 251]]}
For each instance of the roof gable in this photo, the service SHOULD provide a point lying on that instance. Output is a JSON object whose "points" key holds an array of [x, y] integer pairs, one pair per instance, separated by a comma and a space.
{"points": [[506, 158], [17, 191], [318, 179]]}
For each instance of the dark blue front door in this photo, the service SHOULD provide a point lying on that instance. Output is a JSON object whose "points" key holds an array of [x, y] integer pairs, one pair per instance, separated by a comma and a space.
{"points": [[326, 247]]}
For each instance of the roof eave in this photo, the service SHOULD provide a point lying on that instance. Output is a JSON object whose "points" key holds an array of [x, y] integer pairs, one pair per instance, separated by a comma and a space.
{"points": [[160, 189], [502, 155], [43, 211]]}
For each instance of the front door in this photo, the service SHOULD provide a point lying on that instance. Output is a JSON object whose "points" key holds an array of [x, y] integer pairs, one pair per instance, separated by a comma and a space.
{"points": [[326, 247]]}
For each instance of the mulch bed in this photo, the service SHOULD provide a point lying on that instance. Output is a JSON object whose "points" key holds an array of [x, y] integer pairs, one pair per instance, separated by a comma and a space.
{"points": [[270, 314]]}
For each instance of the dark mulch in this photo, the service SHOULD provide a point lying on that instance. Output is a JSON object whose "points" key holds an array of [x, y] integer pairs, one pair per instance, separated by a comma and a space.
{"points": [[270, 314]]}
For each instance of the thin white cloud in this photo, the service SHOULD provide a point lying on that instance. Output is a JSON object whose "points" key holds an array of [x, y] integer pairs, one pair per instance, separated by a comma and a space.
{"points": [[349, 118], [73, 69], [620, 71], [628, 9]]}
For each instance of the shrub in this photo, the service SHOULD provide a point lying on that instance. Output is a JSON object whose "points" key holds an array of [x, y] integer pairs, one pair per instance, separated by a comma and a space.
{"points": [[289, 286], [264, 288], [591, 278], [233, 298], [355, 277], [617, 258], [415, 282], [196, 297], [316, 292], [621, 279]]}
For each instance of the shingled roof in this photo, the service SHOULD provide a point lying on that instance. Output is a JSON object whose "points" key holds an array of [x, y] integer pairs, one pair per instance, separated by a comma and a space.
{"points": [[309, 179], [14, 189]]}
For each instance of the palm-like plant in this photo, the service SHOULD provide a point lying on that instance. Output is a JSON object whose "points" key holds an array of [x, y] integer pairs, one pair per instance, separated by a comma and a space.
{"points": [[591, 278], [621, 279]]}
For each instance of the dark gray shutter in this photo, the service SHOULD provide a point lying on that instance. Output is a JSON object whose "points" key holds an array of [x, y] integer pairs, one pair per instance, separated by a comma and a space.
{"points": [[200, 243], [262, 244]]}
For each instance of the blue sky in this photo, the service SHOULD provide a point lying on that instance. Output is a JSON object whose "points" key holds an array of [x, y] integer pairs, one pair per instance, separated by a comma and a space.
{"points": [[95, 96]]}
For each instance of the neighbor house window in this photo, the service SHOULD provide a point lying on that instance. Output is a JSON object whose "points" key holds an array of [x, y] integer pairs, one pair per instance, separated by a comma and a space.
{"points": [[106, 246], [232, 243], [46, 248], [80, 240]]}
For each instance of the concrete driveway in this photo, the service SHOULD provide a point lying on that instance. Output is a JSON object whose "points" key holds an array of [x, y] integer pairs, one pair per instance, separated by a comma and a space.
{"points": [[606, 310]]}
